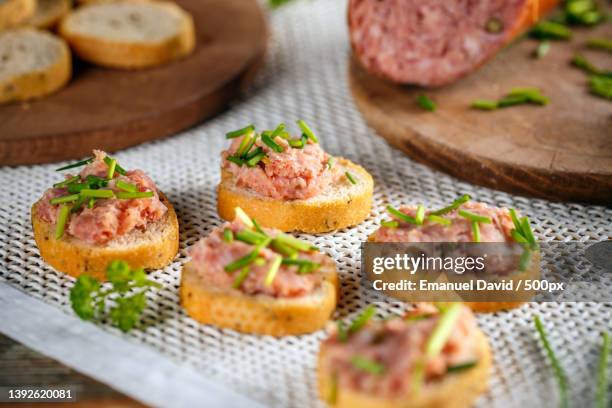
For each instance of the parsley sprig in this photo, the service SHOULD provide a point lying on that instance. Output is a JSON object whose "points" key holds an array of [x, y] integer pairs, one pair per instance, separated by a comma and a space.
{"points": [[123, 300]]}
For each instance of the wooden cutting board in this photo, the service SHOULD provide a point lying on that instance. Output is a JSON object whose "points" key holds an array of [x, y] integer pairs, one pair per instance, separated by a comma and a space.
{"points": [[562, 151], [113, 109]]}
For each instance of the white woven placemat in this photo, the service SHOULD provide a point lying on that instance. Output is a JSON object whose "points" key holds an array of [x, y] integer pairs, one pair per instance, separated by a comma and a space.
{"points": [[305, 77]]}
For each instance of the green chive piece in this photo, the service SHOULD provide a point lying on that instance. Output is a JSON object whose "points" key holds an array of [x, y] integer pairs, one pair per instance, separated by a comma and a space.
{"points": [[296, 143], [243, 217], [444, 327], [62, 218], [111, 169], [96, 182], [64, 199], [474, 217], [518, 237], [332, 397], [330, 162], [602, 377], [235, 160], [367, 365], [125, 195], [240, 277], [246, 141], [512, 100], [247, 259], [66, 182], [250, 237], [426, 103], [307, 131], [350, 177], [237, 133], [97, 193], [558, 370], [77, 204], [419, 217], [284, 249], [418, 317], [118, 168], [484, 104], [258, 228], [438, 220], [125, 186], [228, 235], [543, 49], [525, 259], [476, 231], [600, 44], [278, 131], [362, 319], [494, 25], [253, 161], [579, 61], [75, 188], [601, 86], [271, 143], [77, 164], [456, 204], [461, 367], [342, 333], [304, 265], [527, 231], [400, 215], [91, 202], [253, 153], [259, 261], [550, 30], [389, 224], [294, 242], [276, 263], [515, 220]]}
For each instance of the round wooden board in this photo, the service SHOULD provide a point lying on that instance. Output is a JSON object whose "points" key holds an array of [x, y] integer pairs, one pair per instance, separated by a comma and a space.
{"points": [[562, 151], [113, 109]]}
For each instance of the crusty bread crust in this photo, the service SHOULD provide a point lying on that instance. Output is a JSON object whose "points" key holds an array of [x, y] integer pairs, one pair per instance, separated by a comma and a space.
{"points": [[312, 215], [48, 13], [14, 12], [75, 257], [130, 55], [259, 314], [41, 82], [458, 390]]}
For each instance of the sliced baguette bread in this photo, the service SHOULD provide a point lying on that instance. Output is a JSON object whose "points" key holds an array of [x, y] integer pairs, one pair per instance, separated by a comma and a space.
{"points": [[48, 13], [150, 249], [15, 12], [129, 34], [455, 390], [259, 314], [341, 205], [32, 64]]}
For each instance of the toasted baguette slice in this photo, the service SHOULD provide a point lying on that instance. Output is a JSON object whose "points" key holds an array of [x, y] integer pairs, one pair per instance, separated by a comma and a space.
{"points": [[150, 249], [455, 390], [15, 12], [48, 13], [341, 206], [129, 34], [32, 64], [259, 314]]}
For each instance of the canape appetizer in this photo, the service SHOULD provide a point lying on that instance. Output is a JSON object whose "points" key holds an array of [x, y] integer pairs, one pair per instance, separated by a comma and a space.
{"points": [[432, 357], [290, 183], [104, 213], [258, 280], [464, 221]]}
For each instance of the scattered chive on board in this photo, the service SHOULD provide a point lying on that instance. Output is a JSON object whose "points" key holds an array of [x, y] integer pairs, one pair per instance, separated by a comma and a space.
{"points": [[602, 375], [542, 49], [426, 103], [558, 370], [600, 44]]}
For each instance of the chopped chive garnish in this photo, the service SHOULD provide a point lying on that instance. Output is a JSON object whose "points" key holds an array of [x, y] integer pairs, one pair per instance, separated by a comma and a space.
{"points": [[362, 319], [400, 215], [389, 224], [247, 259], [426, 103], [250, 237], [284, 249], [66, 182], [259, 261], [243, 217], [293, 242], [271, 143], [296, 143], [342, 334], [438, 220], [581, 62], [62, 218], [304, 265], [444, 327], [474, 217], [332, 397], [237, 133], [91, 202], [240, 277], [550, 30], [278, 131], [512, 100], [602, 375], [64, 199], [77, 204], [235, 160], [475, 231], [367, 365], [418, 317], [518, 237], [274, 267], [525, 259], [228, 235], [307, 131], [253, 153], [258, 228], [77, 164], [97, 193], [601, 85], [246, 141], [125, 195], [461, 367], [419, 217], [111, 169], [558, 370], [515, 220], [75, 188], [542, 49], [125, 186], [600, 44], [526, 230], [330, 162], [252, 162], [456, 204], [484, 104], [350, 177], [118, 168]]}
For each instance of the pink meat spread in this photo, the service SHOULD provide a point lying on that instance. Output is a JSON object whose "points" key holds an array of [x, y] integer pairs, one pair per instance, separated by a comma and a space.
{"points": [[210, 255], [399, 345], [289, 175], [109, 218], [460, 229]]}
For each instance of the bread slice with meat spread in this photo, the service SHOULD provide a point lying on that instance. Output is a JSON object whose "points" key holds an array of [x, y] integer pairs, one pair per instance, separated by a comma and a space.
{"points": [[15, 12], [33, 63], [129, 34]]}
